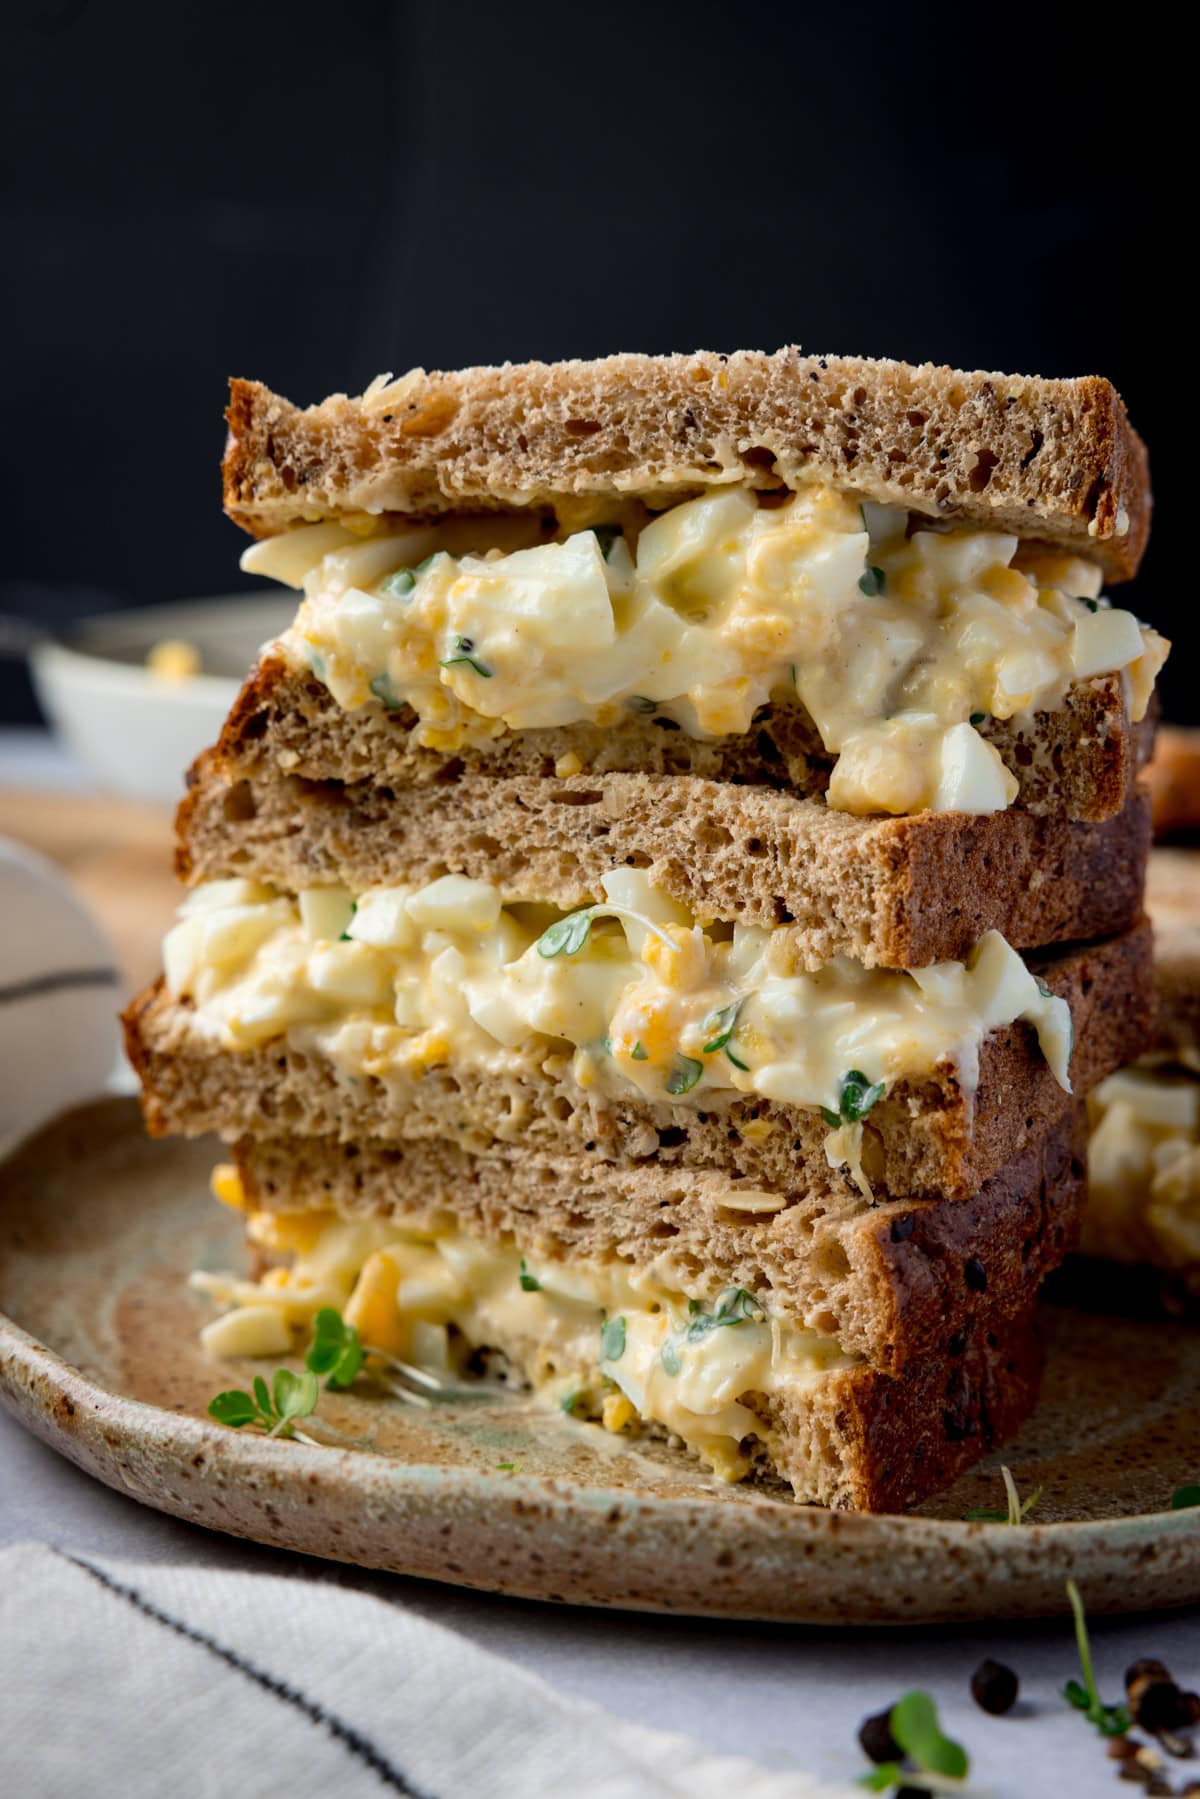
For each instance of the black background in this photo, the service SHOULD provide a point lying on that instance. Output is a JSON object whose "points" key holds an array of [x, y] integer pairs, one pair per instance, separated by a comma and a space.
{"points": [[309, 193]]}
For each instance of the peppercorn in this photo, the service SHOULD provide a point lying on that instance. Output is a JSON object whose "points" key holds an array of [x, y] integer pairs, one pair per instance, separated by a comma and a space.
{"points": [[876, 1739], [1158, 1704], [994, 1687]]}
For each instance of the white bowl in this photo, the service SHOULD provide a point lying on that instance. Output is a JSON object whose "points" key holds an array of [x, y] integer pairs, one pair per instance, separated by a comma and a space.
{"points": [[135, 731]]}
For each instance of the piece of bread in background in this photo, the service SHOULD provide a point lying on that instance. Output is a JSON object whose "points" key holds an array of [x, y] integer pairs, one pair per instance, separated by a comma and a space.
{"points": [[1174, 777]]}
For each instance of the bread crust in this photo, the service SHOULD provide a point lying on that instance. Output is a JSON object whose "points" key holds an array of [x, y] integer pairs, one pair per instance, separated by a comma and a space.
{"points": [[891, 1282], [891, 892], [1079, 761], [923, 1138], [1054, 460]]}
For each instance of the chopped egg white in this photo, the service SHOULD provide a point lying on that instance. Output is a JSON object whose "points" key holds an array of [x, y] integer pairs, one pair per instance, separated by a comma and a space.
{"points": [[647, 1001], [898, 645], [586, 1333], [1144, 1167]]}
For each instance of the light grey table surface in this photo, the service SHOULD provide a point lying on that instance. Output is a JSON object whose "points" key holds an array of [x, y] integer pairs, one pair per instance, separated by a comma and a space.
{"points": [[786, 1695]]}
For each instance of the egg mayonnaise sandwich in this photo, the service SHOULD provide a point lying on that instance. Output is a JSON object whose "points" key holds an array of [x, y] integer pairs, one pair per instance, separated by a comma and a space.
{"points": [[657, 913]]}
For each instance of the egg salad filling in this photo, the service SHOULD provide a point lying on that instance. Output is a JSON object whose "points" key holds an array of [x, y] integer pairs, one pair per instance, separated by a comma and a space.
{"points": [[1144, 1166], [899, 641], [629, 993], [601, 1339]]}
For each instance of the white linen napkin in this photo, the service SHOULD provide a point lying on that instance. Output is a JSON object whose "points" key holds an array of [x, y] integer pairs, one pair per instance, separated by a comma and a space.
{"points": [[144, 1681]]}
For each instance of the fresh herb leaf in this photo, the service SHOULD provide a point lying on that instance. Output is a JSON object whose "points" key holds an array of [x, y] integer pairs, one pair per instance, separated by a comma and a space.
{"points": [[684, 1075], [792, 670], [383, 690], [568, 1402], [295, 1396], [977, 718], [724, 1023], [637, 702], [1184, 1497], [1110, 1720], [669, 1357], [832, 1119], [885, 1776], [859, 1095], [261, 1394], [872, 583], [464, 653], [612, 1340], [914, 1724], [529, 1282], [399, 585], [566, 936], [234, 1408], [733, 1306], [428, 561], [335, 1350], [1092, 605], [737, 1060], [606, 536], [639, 1052], [345, 938]]}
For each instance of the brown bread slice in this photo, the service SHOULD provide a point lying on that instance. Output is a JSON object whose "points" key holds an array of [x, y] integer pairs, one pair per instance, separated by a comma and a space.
{"points": [[894, 892], [924, 1138], [894, 1282], [1079, 761], [1055, 460]]}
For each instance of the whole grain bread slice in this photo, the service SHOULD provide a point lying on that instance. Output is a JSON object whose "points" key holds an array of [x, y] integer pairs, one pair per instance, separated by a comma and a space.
{"points": [[1053, 460], [1079, 761], [894, 1282], [925, 1138], [895, 892]]}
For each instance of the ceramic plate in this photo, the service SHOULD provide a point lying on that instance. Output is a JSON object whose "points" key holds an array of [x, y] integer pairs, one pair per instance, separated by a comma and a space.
{"points": [[99, 1356]]}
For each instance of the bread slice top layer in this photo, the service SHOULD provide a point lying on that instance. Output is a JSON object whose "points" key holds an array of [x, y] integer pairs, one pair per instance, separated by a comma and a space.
{"points": [[1056, 461]]}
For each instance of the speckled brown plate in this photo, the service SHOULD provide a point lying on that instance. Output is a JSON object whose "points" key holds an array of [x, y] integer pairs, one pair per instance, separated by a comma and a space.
{"points": [[99, 1356]]}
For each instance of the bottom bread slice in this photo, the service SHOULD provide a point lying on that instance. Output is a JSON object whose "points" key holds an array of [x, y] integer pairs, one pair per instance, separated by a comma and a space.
{"points": [[891, 1281], [736, 1381]]}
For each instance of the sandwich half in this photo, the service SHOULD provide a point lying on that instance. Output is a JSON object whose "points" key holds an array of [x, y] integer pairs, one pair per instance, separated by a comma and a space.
{"points": [[656, 915]]}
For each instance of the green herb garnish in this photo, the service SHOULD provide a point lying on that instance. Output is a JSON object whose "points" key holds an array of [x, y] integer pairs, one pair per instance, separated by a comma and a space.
{"points": [[568, 1402], [857, 1097], [669, 1357], [399, 585], [529, 1282], [733, 1306], [383, 690], [345, 938], [792, 671], [684, 1074], [637, 702], [566, 936], [612, 1339], [639, 1052], [724, 1023], [872, 583], [1092, 605], [335, 1350], [977, 718], [1110, 1720], [276, 1410], [1184, 1497], [1018, 1509], [464, 652], [606, 536], [913, 1722]]}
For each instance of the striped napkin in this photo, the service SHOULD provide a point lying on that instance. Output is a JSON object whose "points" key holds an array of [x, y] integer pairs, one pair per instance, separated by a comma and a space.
{"points": [[149, 1681]]}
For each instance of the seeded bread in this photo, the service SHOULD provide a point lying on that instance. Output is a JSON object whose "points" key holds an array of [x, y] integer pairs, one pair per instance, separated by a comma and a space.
{"points": [[1053, 460], [924, 1138], [897, 892], [1078, 762], [893, 1282]]}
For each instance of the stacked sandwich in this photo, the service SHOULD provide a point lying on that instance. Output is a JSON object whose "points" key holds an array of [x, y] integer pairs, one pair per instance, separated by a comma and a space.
{"points": [[657, 914]]}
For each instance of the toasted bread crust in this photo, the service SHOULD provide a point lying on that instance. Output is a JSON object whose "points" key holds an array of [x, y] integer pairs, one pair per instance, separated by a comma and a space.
{"points": [[923, 1138], [1055, 460], [889, 1281], [899, 892], [1078, 762]]}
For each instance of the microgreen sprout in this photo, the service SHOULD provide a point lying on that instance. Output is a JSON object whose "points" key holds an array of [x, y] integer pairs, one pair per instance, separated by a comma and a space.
{"points": [[335, 1353], [724, 1022], [1184, 1497], [913, 1722], [1018, 1508], [612, 1339], [399, 585], [685, 1072], [1110, 1720], [872, 583], [529, 1282]]}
